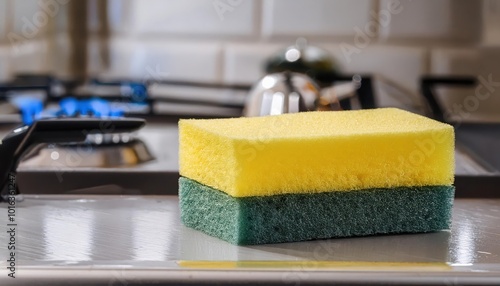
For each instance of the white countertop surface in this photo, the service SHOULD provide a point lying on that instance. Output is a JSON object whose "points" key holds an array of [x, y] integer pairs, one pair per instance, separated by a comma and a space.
{"points": [[109, 239]]}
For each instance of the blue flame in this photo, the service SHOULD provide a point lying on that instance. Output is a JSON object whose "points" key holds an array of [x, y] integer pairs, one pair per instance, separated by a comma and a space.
{"points": [[32, 109]]}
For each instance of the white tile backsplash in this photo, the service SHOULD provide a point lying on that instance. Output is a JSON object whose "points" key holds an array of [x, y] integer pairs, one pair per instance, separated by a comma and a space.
{"points": [[432, 20], [5, 73], [60, 15], [122, 55], [244, 63], [3, 19], [193, 17], [31, 57], [95, 64], [229, 40], [60, 62], [315, 17], [119, 14], [29, 20], [151, 60], [403, 65], [491, 22]]}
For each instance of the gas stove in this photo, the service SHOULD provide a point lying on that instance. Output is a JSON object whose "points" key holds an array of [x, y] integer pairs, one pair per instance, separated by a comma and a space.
{"points": [[146, 165], [56, 156], [140, 162], [29, 97]]}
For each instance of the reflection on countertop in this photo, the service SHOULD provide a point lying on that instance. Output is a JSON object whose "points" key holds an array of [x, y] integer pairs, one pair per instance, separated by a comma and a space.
{"points": [[137, 240], [67, 230]]}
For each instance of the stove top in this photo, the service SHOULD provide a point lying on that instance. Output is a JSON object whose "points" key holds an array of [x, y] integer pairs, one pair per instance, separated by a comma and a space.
{"points": [[29, 97], [139, 163], [146, 165]]}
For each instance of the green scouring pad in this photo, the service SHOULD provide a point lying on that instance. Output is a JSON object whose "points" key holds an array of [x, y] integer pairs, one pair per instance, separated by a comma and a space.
{"points": [[298, 217]]}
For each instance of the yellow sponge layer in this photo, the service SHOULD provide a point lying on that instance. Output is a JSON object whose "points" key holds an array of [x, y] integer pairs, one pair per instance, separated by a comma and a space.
{"points": [[315, 152]]}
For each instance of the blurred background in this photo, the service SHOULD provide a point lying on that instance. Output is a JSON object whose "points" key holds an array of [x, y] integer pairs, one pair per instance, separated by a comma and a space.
{"points": [[228, 41], [165, 60]]}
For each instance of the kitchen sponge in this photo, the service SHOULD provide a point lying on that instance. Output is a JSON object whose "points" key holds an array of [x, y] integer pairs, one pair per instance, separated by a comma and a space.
{"points": [[296, 217], [316, 152]]}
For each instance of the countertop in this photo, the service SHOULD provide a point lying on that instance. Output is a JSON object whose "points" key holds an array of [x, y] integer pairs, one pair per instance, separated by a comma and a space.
{"points": [[136, 240]]}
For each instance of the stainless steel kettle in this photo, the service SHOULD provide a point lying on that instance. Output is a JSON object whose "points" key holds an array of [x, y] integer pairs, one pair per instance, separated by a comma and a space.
{"points": [[289, 92], [304, 58]]}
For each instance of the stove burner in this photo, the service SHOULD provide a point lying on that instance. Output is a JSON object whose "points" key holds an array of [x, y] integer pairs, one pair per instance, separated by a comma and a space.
{"points": [[82, 155], [22, 140], [31, 108]]}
